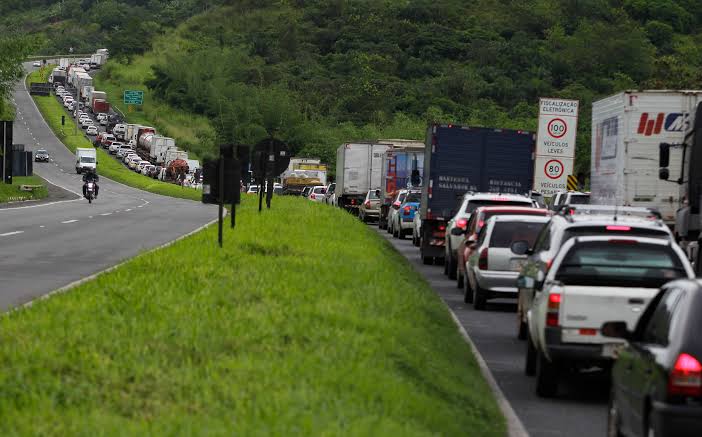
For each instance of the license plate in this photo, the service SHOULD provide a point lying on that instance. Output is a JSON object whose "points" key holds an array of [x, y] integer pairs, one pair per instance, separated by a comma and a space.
{"points": [[611, 350], [516, 264]]}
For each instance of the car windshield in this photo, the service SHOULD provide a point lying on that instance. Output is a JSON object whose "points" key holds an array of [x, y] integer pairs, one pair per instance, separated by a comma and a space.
{"points": [[475, 204], [620, 263], [505, 233], [320, 190], [579, 199], [88, 159], [371, 194], [41, 151], [413, 197]]}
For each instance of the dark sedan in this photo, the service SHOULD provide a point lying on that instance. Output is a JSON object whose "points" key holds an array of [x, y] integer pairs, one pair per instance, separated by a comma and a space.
{"points": [[657, 379], [41, 156]]}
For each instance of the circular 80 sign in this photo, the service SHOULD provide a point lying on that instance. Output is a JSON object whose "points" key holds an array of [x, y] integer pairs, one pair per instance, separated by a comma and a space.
{"points": [[553, 169], [557, 128]]}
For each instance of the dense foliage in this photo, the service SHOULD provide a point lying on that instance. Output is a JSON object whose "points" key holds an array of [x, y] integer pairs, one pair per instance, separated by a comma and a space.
{"points": [[317, 72], [13, 50]]}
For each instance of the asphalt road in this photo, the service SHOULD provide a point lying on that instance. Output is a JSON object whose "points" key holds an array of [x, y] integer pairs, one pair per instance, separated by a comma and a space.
{"points": [[49, 245], [581, 406]]}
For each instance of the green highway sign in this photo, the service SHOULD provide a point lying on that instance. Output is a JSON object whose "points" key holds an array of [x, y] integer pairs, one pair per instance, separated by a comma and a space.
{"points": [[133, 97]]}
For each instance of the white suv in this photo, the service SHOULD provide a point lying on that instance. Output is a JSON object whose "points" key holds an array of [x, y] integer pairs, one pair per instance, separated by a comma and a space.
{"points": [[593, 280], [469, 203]]}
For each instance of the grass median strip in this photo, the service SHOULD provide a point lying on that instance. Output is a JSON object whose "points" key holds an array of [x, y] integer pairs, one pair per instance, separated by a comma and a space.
{"points": [[108, 166], [305, 323], [14, 193]]}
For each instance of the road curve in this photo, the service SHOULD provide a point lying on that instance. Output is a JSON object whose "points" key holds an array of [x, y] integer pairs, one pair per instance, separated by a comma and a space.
{"points": [[580, 410], [46, 246]]}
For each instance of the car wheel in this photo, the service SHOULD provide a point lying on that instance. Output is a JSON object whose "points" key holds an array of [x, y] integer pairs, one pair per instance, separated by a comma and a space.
{"points": [[546, 376], [530, 359], [479, 298], [613, 418], [414, 239], [521, 328], [446, 265], [401, 234], [651, 426], [467, 291], [459, 278], [427, 260], [452, 266]]}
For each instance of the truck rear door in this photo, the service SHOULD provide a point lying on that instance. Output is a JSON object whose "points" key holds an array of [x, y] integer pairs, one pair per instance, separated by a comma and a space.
{"points": [[356, 168]]}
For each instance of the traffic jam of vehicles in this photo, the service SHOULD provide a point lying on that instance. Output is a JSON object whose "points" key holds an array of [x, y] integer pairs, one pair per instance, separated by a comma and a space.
{"points": [[602, 279], [139, 148]]}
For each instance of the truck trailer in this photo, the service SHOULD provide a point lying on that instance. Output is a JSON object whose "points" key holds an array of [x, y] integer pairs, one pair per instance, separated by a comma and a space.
{"points": [[358, 170], [627, 130], [461, 159]]}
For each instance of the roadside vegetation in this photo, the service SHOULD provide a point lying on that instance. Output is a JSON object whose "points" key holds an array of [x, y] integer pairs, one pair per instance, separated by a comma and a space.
{"points": [[188, 129], [13, 193], [258, 338], [73, 138]]}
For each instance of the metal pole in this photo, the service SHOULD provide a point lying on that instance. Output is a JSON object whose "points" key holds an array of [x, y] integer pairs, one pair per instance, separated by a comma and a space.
{"points": [[220, 166], [233, 215]]}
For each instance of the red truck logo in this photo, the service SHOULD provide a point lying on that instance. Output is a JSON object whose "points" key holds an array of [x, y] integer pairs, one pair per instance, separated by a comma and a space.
{"points": [[654, 124]]}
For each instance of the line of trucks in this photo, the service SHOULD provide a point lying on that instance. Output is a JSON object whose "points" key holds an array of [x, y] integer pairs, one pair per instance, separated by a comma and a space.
{"points": [[646, 152], [73, 71]]}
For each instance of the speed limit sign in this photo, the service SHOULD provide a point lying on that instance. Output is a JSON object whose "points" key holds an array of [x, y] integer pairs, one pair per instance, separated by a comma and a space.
{"points": [[553, 169], [557, 128]]}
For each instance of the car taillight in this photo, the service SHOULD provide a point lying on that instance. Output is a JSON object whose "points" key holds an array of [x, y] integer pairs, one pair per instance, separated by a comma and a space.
{"points": [[549, 263], [481, 223], [396, 204], [685, 377], [313, 197], [367, 204], [442, 227], [618, 228], [554, 304], [407, 209], [462, 223], [483, 259], [353, 201]]}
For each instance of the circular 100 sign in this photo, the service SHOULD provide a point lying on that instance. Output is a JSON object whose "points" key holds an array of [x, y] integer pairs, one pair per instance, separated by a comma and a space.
{"points": [[553, 169], [557, 128]]}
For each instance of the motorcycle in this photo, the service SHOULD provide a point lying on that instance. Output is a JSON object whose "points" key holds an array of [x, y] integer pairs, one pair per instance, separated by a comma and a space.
{"points": [[90, 191]]}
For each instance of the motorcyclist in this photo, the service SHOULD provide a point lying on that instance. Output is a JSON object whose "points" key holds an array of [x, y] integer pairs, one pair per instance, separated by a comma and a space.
{"points": [[90, 176]]}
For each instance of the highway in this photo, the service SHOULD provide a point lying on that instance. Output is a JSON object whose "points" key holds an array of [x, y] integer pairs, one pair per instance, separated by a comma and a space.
{"points": [[48, 245], [580, 410]]}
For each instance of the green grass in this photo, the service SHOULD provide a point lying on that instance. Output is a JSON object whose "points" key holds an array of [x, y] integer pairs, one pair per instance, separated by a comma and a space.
{"points": [[185, 127], [12, 193], [108, 166], [310, 326]]}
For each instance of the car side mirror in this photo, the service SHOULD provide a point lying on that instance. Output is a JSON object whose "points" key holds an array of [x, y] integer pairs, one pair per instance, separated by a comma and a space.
{"points": [[526, 282], [457, 231], [663, 155], [616, 330], [520, 247]]}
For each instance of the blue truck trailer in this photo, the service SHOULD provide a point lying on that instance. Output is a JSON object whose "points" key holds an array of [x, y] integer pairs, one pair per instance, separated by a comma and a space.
{"points": [[461, 159]]}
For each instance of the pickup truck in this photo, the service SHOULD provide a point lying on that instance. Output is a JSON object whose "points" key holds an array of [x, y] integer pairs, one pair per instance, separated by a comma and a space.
{"points": [[593, 280]]}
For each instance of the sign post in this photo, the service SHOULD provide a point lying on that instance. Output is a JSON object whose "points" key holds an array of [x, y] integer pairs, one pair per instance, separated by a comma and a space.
{"points": [[555, 144]]}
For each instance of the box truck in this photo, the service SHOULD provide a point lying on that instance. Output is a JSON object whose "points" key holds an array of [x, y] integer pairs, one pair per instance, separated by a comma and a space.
{"points": [[627, 130], [86, 159], [403, 167], [459, 159], [358, 170]]}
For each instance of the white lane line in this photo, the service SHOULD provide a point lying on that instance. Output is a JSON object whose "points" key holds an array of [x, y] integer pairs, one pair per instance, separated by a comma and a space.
{"points": [[127, 210], [7, 234], [42, 226], [106, 213], [90, 216], [70, 221], [140, 206]]}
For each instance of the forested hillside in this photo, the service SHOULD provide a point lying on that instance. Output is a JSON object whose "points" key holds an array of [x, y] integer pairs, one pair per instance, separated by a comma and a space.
{"points": [[317, 72]]}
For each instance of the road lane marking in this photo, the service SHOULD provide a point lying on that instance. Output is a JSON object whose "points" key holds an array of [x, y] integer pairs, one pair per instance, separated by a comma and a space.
{"points": [[7, 234], [106, 213], [127, 210], [42, 226], [70, 221]]}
